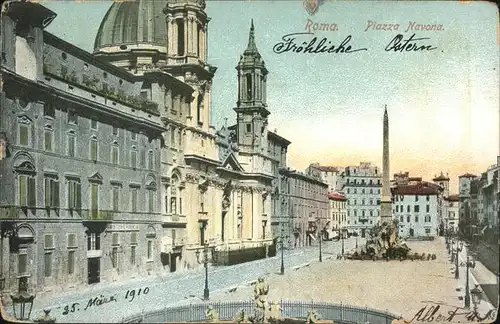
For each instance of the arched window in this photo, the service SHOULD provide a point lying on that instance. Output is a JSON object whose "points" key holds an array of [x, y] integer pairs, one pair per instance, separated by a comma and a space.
{"points": [[249, 86], [173, 195], [180, 37]]}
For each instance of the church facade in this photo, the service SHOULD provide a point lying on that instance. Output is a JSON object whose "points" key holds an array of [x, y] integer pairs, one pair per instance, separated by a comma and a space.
{"points": [[110, 167]]}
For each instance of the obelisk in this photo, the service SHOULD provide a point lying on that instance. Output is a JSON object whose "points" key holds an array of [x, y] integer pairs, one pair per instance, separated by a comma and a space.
{"points": [[386, 202]]}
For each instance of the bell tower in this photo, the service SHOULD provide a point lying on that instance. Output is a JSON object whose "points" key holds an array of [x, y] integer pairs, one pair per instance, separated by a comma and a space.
{"points": [[251, 107], [186, 59]]}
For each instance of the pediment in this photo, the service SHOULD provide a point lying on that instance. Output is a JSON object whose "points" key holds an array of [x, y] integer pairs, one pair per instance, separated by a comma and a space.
{"points": [[231, 163], [96, 177]]}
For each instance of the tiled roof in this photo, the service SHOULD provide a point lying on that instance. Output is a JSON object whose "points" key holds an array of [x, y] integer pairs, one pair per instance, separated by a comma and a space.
{"points": [[336, 196], [418, 189], [326, 168], [468, 175]]}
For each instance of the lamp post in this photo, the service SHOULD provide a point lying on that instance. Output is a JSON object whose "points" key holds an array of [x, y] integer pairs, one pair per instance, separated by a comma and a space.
{"points": [[343, 233], [282, 270], [448, 240], [452, 252], [320, 237], [20, 301], [476, 297], [458, 249], [469, 264], [206, 291]]}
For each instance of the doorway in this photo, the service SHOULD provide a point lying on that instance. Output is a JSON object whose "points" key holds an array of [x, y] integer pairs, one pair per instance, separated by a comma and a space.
{"points": [[173, 263], [412, 232], [94, 269]]}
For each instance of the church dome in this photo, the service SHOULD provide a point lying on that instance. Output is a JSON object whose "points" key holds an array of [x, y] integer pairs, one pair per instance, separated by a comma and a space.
{"points": [[139, 22]]}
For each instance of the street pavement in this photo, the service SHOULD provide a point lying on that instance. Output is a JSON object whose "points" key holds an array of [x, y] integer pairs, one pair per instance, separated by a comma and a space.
{"points": [[118, 300], [479, 275]]}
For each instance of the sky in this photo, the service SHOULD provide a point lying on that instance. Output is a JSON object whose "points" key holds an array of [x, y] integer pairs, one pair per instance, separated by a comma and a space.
{"points": [[443, 104]]}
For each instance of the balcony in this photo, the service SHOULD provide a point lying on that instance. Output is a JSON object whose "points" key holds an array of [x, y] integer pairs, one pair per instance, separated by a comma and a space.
{"points": [[97, 215]]}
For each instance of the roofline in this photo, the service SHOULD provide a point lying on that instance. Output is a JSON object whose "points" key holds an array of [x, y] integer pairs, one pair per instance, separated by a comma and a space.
{"points": [[51, 39], [52, 91], [282, 139]]}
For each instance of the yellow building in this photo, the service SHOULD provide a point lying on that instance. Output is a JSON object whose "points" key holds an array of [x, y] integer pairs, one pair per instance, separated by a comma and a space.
{"points": [[338, 211], [216, 187]]}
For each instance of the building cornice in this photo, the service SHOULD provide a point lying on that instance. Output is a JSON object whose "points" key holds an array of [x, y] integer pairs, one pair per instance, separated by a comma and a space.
{"points": [[97, 107]]}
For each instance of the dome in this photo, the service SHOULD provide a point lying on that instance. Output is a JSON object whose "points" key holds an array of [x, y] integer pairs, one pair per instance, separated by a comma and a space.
{"points": [[133, 22]]}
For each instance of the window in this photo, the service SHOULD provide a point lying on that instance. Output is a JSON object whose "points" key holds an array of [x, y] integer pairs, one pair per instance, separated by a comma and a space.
{"points": [[133, 158], [397, 209], [48, 140], [93, 124], [407, 219], [114, 251], [23, 135], [22, 263], [150, 250], [133, 136], [51, 193], [427, 208], [132, 254], [71, 145], [93, 149], [427, 198], [249, 86], [180, 37], [48, 247], [48, 110], [72, 117], [150, 160], [408, 208], [71, 262], [248, 128], [74, 195], [114, 154], [416, 218], [416, 208], [151, 201], [94, 199], [180, 139], [172, 136], [115, 130], [116, 195], [133, 198], [416, 197], [173, 198], [71, 253], [143, 158], [27, 191], [93, 241], [427, 231], [401, 219]]}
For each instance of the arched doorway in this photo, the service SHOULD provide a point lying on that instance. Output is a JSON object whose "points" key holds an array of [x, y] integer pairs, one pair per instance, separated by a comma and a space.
{"points": [[412, 232]]}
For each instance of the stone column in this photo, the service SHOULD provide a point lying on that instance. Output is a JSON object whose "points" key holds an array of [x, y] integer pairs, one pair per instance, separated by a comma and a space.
{"points": [[195, 37]]}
